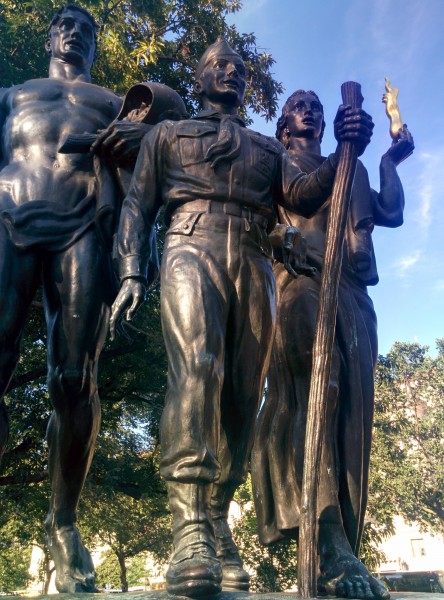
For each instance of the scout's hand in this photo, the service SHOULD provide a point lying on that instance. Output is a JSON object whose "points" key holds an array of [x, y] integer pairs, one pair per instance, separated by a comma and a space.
{"points": [[353, 125], [402, 147], [121, 141], [129, 298]]}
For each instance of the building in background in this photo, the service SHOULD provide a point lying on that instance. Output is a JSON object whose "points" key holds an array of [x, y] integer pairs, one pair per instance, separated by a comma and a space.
{"points": [[415, 560]]}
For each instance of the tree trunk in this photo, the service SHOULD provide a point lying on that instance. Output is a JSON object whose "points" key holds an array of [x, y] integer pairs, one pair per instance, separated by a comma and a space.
{"points": [[122, 565], [47, 571]]}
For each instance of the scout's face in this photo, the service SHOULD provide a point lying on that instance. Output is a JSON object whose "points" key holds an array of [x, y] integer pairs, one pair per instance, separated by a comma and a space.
{"points": [[223, 81], [305, 118], [72, 39]]}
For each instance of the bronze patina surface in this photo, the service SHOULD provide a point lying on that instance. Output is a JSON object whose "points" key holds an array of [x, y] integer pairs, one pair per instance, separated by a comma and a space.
{"points": [[278, 454], [51, 234], [220, 183]]}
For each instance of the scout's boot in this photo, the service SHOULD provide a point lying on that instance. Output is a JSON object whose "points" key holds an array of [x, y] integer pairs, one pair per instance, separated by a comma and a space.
{"points": [[194, 569], [234, 576]]}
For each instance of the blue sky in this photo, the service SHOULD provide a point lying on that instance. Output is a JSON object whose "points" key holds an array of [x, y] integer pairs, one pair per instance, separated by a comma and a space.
{"points": [[319, 44]]}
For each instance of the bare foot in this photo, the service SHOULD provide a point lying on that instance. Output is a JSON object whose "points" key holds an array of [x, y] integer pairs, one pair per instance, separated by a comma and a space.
{"points": [[343, 575], [74, 567]]}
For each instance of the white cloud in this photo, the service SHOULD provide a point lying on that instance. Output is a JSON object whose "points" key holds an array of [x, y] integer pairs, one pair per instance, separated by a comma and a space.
{"points": [[393, 36], [404, 264], [397, 35], [429, 189]]}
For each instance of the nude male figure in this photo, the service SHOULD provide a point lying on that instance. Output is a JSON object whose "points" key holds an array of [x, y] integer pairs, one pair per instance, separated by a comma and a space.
{"points": [[48, 236]]}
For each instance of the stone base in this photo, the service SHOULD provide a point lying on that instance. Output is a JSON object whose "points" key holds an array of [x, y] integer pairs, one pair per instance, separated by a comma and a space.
{"points": [[163, 595]]}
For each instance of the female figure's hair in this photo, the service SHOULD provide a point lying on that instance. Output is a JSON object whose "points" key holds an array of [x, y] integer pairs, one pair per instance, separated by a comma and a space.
{"points": [[282, 133]]}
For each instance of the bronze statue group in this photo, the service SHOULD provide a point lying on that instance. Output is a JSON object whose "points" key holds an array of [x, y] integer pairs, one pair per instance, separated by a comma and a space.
{"points": [[237, 303]]}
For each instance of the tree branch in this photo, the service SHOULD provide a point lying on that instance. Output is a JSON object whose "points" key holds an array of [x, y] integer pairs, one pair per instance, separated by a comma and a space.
{"points": [[31, 376], [15, 480]]}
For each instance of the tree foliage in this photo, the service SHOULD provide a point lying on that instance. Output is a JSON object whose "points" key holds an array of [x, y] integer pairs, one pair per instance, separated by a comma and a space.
{"points": [[139, 40], [407, 470], [108, 571], [272, 568], [14, 566]]}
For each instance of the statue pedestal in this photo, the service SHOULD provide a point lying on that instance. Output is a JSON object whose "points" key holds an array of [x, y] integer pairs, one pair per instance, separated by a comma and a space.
{"points": [[162, 595]]}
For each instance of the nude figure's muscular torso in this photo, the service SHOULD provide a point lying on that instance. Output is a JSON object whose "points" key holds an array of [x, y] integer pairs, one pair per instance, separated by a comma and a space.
{"points": [[47, 236], [37, 116]]}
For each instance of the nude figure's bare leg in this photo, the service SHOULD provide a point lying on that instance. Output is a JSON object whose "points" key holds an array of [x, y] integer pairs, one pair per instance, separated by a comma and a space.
{"points": [[19, 278], [76, 285]]}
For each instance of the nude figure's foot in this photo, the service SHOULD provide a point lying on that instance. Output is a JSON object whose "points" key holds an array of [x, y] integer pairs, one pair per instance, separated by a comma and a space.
{"points": [[343, 575], [74, 567]]}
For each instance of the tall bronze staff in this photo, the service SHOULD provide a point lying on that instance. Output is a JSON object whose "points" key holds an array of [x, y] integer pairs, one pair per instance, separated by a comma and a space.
{"points": [[322, 352]]}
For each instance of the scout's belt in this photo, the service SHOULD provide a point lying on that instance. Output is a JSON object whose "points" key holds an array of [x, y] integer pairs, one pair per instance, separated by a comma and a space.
{"points": [[227, 208]]}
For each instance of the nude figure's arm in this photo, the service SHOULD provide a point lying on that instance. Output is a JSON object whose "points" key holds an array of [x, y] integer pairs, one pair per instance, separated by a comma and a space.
{"points": [[388, 205]]}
